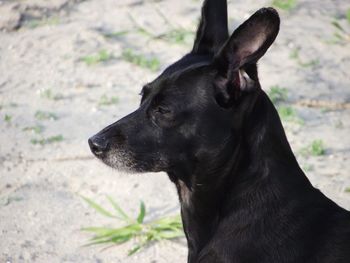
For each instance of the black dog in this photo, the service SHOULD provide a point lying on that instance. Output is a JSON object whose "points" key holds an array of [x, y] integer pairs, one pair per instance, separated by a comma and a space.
{"points": [[207, 123]]}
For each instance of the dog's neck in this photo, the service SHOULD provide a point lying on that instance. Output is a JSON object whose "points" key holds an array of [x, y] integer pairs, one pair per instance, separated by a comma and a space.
{"points": [[261, 168]]}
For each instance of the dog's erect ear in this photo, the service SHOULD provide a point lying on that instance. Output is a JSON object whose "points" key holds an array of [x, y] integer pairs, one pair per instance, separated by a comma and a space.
{"points": [[212, 31], [248, 43]]}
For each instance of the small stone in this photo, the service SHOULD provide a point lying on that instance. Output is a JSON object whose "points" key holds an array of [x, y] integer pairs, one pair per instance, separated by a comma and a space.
{"points": [[10, 18]]}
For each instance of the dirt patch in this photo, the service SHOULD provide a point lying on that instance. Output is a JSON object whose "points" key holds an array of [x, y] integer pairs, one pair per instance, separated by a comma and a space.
{"points": [[15, 14]]}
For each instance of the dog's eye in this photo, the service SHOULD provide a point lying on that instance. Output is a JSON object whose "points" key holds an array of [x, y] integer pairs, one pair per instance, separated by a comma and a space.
{"points": [[163, 116], [162, 110]]}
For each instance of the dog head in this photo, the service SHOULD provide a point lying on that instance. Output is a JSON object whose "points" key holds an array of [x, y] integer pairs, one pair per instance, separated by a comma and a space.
{"points": [[193, 112]]}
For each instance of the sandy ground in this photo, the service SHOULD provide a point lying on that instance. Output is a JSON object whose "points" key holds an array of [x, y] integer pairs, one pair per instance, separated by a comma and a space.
{"points": [[41, 69]]}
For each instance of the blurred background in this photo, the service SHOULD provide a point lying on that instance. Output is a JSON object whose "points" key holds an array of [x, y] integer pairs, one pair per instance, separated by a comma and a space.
{"points": [[68, 68]]}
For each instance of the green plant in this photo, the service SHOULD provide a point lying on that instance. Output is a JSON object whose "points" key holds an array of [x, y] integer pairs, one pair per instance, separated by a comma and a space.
{"points": [[178, 36], [348, 15], [339, 124], [44, 115], [101, 56], [152, 63], [51, 21], [315, 148], [347, 189], [325, 110], [285, 4], [305, 64], [144, 233], [139, 28], [294, 54], [8, 118], [310, 63], [116, 34], [48, 94], [277, 94], [106, 101], [13, 105], [35, 129], [287, 113], [307, 167], [6, 200], [49, 140], [340, 34], [10, 105]]}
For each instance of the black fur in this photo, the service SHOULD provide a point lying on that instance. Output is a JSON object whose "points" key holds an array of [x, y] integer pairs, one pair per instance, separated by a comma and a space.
{"points": [[207, 123]]}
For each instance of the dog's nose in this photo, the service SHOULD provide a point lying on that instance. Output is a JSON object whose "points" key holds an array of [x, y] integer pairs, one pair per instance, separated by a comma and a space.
{"points": [[98, 145]]}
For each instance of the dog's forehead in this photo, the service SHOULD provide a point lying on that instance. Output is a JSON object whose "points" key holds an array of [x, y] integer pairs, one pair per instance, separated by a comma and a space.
{"points": [[184, 65], [188, 62]]}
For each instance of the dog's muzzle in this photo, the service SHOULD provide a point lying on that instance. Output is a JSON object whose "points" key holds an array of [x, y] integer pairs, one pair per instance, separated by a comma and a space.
{"points": [[98, 145]]}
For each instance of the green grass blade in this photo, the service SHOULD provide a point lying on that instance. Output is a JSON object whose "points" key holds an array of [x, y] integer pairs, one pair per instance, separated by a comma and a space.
{"points": [[134, 250], [113, 238], [142, 213], [348, 15], [277, 94], [98, 230], [149, 238], [170, 234], [120, 211], [120, 239], [168, 220], [338, 26], [131, 230], [285, 4], [167, 228], [97, 207], [116, 240], [97, 243], [115, 34]]}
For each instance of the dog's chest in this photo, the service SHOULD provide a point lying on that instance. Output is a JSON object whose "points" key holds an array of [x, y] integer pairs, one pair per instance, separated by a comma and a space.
{"points": [[184, 192]]}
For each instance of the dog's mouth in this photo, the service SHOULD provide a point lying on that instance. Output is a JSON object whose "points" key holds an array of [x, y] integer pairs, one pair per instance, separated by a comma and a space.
{"points": [[103, 150], [120, 160], [115, 157]]}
